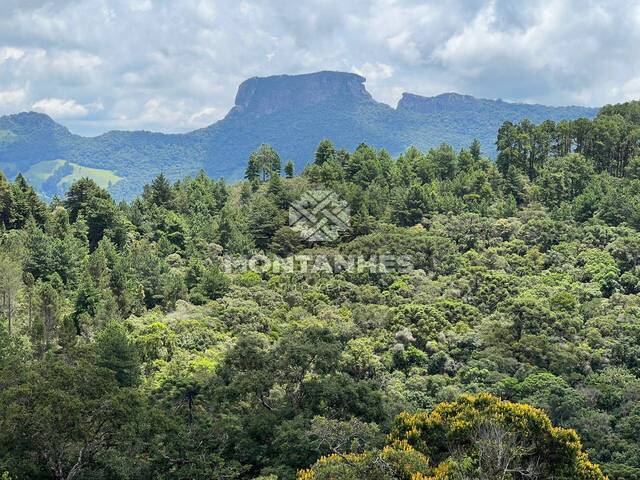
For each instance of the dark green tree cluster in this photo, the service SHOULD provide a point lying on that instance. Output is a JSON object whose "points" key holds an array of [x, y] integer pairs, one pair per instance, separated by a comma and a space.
{"points": [[611, 142]]}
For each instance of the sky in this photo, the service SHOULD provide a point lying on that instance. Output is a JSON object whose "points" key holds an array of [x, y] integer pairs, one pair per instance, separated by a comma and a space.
{"points": [[174, 66]]}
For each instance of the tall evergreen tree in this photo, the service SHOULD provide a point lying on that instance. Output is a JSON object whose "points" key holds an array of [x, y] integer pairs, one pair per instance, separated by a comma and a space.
{"points": [[288, 169], [324, 152], [263, 163], [117, 352], [475, 149], [159, 192]]}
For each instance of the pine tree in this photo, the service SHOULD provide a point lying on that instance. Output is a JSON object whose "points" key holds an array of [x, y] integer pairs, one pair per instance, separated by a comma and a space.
{"points": [[51, 303], [159, 192], [264, 220], [80, 194], [413, 206], [252, 172], [118, 353], [474, 149], [288, 169], [263, 164], [324, 152], [232, 231], [10, 286]]}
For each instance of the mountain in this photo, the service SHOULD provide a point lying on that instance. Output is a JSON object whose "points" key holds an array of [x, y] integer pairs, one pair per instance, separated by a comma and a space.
{"points": [[291, 112]]}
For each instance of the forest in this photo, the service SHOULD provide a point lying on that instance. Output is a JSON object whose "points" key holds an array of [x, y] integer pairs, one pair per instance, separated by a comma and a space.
{"points": [[510, 350]]}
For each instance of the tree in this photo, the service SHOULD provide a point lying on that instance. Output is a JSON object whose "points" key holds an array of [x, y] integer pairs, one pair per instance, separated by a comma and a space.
{"points": [[87, 301], [233, 231], [50, 308], [445, 160], [214, 283], [363, 166], [500, 438], [102, 217], [564, 178], [5, 201], [286, 241], [252, 172], [278, 192], [62, 421], [24, 204], [478, 436], [80, 194], [10, 286], [475, 149], [118, 353], [288, 169], [413, 206], [510, 152], [264, 220], [324, 152], [159, 192], [29, 284], [263, 163]]}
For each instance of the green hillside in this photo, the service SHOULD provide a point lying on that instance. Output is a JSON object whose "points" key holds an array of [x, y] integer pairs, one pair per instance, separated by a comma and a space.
{"points": [[54, 177]]}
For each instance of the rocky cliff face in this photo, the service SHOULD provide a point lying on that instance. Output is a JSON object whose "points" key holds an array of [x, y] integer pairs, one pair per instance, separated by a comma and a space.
{"points": [[262, 96]]}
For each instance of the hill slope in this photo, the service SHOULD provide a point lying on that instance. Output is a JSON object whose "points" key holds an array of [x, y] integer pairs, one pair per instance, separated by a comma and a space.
{"points": [[291, 112]]}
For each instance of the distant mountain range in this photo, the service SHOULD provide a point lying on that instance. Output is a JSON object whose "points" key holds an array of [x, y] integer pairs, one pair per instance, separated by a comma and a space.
{"points": [[293, 113]]}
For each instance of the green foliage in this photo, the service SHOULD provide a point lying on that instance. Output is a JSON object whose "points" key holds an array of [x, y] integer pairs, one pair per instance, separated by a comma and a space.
{"points": [[610, 142], [494, 436], [289, 169], [117, 352], [168, 364], [263, 164], [473, 437]]}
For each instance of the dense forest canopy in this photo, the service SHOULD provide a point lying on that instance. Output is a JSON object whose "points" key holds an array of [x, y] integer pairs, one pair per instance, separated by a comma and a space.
{"points": [[510, 350], [611, 141]]}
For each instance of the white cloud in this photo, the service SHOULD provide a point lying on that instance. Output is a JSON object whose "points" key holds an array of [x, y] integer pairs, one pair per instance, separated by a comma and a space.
{"points": [[9, 53], [206, 116], [12, 98], [206, 10], [631, 89], [171, 66], [374, 72], [158, 111], [140, 5], [60, 108]]}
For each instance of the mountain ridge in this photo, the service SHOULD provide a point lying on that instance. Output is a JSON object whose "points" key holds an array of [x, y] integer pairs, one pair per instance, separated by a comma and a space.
{"points": [[291, 112], [234, 110]]}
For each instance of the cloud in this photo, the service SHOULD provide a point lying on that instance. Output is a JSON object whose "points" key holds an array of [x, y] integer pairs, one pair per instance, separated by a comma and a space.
{"points": [[374, 71], [205, 116], [9, 53], [60, 108], [175, 66], [12, 98], [140, 5]]}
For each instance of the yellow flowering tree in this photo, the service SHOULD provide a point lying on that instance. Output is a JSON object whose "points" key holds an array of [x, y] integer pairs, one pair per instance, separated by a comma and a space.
{"points": [[476, 437]]}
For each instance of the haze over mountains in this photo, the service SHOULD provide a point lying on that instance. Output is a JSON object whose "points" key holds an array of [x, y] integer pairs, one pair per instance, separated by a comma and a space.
{"points": [[293, 113]]}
